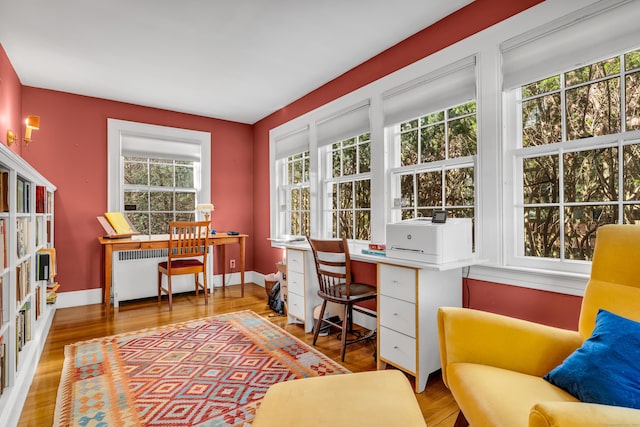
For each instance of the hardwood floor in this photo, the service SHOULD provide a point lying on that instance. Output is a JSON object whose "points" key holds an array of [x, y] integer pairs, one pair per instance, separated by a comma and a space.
{"points": [[82, 323]]}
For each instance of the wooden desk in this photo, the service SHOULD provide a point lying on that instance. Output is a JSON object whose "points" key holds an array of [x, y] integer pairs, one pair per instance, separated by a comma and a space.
{"points": [[161, 242]]}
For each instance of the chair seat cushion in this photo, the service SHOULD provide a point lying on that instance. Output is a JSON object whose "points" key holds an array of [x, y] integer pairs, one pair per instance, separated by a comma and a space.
{"points": [[181, 263], [493, 396], [372, 399], [357, 292], [606, 368]]}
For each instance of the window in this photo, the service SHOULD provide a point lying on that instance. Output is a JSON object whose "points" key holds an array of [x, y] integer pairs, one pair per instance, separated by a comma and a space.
{"points": [[297, 209], [349, 187], [157, 174], [577, 163], [436, 156], [157, 191]]}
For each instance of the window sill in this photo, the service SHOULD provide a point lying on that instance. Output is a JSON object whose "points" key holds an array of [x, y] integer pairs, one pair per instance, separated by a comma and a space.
{"points": [[552, 281]]}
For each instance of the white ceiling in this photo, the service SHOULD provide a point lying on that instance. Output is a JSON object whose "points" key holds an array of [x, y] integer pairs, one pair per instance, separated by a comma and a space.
{"points": [[237, 60]]}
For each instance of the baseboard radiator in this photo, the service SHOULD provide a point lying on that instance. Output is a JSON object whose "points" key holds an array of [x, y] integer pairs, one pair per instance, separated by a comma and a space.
{"points": [[135, 275]]}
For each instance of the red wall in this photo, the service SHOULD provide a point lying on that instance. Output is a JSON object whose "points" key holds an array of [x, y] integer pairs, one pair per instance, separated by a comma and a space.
{"points": [[70, 150], [549, 308], [10, 101]]}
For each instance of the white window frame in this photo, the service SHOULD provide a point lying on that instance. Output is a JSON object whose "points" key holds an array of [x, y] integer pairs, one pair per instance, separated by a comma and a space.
{"points": [[284, 193], [515, 153], [120, 129], [329, 180], [393, 133]]}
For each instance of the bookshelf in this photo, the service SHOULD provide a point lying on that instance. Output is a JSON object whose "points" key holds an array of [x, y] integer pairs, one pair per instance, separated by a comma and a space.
{"points": [[27, 258]]}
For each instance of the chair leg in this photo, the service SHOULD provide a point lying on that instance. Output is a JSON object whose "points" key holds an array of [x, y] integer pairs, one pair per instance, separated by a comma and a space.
{"points": [[319, 324], [170, 292], [461, 421], [159, 286], [206, 288], [345, 326]]}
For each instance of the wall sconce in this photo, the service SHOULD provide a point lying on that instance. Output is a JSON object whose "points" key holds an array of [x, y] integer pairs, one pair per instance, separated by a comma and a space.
{"points": [[11, 137], [32, 122], [205, 209]]}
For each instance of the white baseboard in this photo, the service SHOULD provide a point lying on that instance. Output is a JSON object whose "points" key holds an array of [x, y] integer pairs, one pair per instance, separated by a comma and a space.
{"points": [[78, 298], [94, 296]]}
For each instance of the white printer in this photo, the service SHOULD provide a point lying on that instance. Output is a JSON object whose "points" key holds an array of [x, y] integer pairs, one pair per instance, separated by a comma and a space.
{"points": [[419, 239]]}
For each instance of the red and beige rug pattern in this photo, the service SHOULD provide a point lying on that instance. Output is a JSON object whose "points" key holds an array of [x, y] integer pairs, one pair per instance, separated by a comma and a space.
{"points": [[208, 372]]}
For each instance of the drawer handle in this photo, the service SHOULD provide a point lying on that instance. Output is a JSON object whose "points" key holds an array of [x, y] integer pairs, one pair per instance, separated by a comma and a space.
{"points": [[395, 347], [395, 314]]}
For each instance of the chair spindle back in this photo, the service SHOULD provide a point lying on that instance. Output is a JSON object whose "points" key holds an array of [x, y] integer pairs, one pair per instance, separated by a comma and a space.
{"points": [[333, 266]]}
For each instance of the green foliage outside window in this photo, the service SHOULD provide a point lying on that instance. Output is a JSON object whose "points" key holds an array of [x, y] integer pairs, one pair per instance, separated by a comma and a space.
{"points": [[572, 190], [299, 205], [350, 187], [443, 137], [157, 191]]}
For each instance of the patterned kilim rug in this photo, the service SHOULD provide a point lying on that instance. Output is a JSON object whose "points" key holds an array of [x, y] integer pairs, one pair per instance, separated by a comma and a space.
{"points": [[208, 372]]}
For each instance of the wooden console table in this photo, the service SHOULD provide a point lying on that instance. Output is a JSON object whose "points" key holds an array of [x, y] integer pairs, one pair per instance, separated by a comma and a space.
{"points": [[145, 242]]}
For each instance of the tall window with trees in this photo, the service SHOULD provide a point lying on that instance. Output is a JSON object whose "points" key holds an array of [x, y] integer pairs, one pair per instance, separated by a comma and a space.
{"points": [[157, 174], [157, 191], [437, 156], [578, 157], [349, 187], [298, 207]]}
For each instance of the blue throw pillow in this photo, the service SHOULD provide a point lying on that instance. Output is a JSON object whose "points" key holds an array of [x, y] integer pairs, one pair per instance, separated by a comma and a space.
{"points": [[606, 369]]}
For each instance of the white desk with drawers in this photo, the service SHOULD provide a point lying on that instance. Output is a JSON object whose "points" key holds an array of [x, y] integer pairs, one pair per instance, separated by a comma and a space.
{"points": [[409, 294]]}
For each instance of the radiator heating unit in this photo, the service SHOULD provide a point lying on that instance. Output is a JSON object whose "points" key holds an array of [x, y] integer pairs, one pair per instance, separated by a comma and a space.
{"points": [[135, 275]]}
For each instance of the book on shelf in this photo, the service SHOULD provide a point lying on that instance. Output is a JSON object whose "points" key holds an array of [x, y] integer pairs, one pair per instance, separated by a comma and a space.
{"points": [[38, 301], [1, 304], [23, 193], [46, 264], [23, 271], [41, 199], [22, 235], [116, 225], [4, 191], [23, 325], [3, 365], [3, 244], [44, 200], [52, 287], [39, 231]]}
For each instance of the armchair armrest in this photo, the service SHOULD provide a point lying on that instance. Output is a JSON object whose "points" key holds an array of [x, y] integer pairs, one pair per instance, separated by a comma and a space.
{"points": [[581, 414], [474, 336]]}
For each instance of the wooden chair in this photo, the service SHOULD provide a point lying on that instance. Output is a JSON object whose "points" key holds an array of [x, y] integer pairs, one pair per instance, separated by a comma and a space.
{"points": [[333, 266], [188, 241]]}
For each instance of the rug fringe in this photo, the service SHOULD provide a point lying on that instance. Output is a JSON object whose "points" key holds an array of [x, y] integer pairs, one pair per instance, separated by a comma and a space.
{"points": [[64, 401]]}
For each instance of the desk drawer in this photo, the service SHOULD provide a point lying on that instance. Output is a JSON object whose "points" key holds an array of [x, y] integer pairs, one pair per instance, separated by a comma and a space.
{"points": [[295, 305], [398, 349], [295, 261], [398, 282], [398, 315], [295, 282]]}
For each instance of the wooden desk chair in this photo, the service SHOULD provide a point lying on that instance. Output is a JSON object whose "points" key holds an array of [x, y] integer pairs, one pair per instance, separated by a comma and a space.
{"points": [[333, 266], [188, 241]]}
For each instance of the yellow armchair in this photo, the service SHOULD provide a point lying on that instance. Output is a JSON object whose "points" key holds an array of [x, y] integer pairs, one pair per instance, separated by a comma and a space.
{"points": [[494, 364]]}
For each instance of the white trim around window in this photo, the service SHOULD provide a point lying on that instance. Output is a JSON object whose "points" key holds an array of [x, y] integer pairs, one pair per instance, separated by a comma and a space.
{"points": [[142, 139]]}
